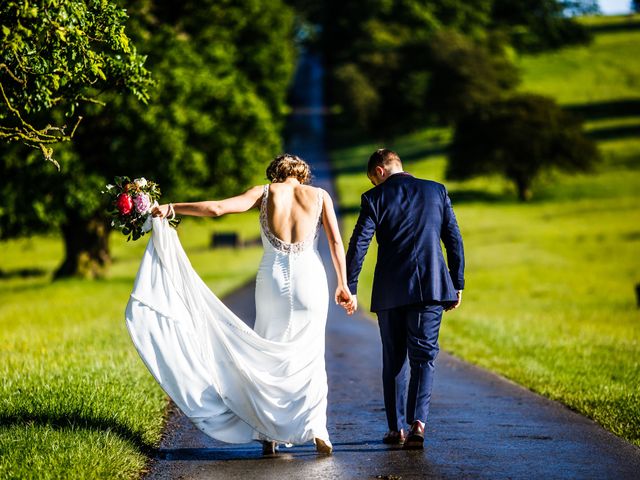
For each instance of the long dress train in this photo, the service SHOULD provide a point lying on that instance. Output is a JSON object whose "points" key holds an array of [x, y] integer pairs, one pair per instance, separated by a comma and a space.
{"points": [[234, 383]]}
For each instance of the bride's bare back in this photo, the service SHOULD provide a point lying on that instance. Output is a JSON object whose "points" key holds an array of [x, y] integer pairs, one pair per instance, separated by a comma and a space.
{"points": [[292, 211]]}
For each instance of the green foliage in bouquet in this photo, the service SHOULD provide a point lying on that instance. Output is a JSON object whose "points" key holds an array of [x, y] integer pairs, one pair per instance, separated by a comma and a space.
{"points": [[131, 203]]}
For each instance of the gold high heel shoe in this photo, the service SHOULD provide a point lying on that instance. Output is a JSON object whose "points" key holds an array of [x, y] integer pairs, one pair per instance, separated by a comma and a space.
{"points": [[323, 446]]}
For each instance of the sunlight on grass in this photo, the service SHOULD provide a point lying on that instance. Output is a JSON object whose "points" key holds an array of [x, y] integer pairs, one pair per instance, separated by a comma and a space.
{"points": [[75, 399], [606, 70], [549, 301]]}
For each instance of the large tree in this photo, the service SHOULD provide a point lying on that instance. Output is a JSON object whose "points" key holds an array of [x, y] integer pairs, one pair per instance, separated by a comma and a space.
{"points": [[519, 137], [396, 64], [222, 71], [465, 75], [59, 54], [385, 49]]}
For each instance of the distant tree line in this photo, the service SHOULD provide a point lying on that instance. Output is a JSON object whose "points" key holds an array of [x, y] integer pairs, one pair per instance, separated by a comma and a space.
{"points": [[193, 94], [398, 65]]}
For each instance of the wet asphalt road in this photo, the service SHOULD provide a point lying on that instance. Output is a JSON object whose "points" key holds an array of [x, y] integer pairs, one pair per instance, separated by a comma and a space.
{"points": [[481, 425]]}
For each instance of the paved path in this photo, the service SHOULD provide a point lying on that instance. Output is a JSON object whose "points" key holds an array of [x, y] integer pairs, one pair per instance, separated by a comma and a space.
{"points": [[481, 425]]}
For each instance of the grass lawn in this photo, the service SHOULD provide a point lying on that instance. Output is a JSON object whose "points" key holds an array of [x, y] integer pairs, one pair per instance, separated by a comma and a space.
{"points": [[549, 301], [75, 399]]}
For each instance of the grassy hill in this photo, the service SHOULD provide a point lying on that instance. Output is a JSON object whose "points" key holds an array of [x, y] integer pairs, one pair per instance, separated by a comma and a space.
{"points": [[550, 299], [601, 82]]}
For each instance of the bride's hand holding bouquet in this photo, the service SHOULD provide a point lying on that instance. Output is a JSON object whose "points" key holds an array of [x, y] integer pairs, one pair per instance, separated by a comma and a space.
{"points": [[131, 205], [164, 211]]}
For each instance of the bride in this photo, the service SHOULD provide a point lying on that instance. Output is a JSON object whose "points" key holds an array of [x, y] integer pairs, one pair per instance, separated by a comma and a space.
{"points": [[237, 384]]}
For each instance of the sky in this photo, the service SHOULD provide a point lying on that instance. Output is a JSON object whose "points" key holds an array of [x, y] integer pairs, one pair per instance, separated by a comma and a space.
{"points": [[609, 7]]}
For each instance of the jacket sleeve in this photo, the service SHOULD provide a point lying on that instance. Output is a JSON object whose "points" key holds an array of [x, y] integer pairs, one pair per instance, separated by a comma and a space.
{"points": [[452, 239], [359, 243]]}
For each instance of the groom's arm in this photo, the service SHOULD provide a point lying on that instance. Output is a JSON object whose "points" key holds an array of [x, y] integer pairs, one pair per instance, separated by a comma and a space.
{"points": [[359, 243], [452, 239]]}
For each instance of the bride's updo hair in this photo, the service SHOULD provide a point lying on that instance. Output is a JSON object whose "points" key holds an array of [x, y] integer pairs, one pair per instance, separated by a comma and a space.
{"points": [[285, 166]]}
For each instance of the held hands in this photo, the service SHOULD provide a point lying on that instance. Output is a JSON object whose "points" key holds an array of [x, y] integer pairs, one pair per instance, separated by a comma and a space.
{"points": [[346, 300], [457, 304]]}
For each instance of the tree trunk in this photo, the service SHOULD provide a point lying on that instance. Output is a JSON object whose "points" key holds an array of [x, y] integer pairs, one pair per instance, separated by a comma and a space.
{"points": [[524, 190], [86, 244]]}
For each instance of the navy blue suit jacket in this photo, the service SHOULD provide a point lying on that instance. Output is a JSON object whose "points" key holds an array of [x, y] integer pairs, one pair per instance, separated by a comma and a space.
{"points": [[409, 217]]}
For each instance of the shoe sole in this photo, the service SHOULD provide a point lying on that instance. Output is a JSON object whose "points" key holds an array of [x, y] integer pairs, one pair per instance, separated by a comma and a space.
{"points": [[393, 442], [415, 443]]}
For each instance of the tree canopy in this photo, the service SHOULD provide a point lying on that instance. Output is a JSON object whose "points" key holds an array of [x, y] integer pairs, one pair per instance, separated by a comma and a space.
{"points": [[212, 121], [385, 49], [465, 75], [399, 64], [519, 137], [60, 54]]}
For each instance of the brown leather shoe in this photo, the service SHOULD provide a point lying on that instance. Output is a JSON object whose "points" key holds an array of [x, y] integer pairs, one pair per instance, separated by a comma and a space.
{"points": [[415, 439], [269, 448], [393, 437]]}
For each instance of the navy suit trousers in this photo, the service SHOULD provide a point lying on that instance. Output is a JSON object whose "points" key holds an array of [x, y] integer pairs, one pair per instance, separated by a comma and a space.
{"points": [[409, 348]]}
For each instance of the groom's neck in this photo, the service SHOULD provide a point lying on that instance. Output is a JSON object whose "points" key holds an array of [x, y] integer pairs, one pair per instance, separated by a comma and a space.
{"points": [[395, 169]]}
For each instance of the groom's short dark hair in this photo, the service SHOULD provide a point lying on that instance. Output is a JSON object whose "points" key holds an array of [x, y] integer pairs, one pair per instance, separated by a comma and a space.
{"points": [[381, 158]]}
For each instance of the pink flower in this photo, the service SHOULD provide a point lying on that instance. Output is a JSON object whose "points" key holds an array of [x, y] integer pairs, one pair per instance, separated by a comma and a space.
{"points": [[124, 204], [142, 203]]}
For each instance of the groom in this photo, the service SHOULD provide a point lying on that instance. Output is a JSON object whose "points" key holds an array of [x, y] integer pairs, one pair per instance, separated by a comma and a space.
{"points": [[412, 285]]}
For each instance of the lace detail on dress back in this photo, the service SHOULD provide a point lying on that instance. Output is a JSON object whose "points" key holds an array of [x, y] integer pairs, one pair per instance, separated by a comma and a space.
{"points": [[280, 245]]}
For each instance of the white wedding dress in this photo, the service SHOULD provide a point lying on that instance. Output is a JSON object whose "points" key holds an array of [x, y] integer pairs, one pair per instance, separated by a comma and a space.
{"points": [[234, 383]]}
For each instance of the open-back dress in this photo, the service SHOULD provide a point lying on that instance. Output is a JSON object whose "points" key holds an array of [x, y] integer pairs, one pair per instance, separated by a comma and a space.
{"points": [[235, 383]]}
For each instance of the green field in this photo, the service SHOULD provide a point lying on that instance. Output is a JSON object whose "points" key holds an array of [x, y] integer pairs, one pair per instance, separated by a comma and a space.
{"points": [[549, 300], [75, 399]]}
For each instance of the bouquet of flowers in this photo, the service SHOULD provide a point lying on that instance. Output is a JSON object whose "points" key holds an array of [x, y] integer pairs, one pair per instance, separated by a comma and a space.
{"points": [[130, 205]]}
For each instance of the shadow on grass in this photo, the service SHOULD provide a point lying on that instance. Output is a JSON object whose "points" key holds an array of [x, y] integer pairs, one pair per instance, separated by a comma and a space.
{"points": [[75, 421], [360, 165], [615, 133], [474, 196], [47, 282], [630, 24], [614, 109], [424, 153], [349, 210], [22, 273], [458, 197]]}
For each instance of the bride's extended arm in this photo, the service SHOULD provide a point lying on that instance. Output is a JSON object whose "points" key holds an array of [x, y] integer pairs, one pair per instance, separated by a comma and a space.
{"points": [[215, 208], [330, 222]]}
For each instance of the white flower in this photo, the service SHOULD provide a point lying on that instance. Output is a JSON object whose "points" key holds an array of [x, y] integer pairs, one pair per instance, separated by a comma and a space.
{"points": [[140, 182]]}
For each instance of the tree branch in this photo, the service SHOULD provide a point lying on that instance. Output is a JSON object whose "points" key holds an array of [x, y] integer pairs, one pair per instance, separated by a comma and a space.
{"points": [[33, 137], [4, 67]]}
